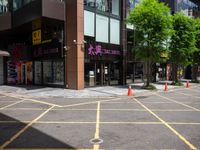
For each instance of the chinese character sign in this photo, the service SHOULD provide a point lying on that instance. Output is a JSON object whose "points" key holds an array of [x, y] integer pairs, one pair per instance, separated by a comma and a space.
{"points": [[99, 51]]}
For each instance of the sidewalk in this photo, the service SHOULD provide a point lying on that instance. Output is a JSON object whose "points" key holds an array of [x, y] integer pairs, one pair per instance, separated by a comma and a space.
{"points": [[92, 92]]}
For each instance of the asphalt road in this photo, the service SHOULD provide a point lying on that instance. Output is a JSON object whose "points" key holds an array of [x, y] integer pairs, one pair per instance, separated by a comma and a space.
{"points": [[153, 121]]}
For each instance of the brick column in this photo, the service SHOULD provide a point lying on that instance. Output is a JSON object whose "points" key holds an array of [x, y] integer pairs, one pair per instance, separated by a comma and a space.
{"points": [[74, 40]]}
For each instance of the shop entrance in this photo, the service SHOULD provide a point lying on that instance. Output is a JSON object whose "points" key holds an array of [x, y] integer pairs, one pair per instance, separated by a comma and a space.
{"points": [[23, 74], [101, 74]]}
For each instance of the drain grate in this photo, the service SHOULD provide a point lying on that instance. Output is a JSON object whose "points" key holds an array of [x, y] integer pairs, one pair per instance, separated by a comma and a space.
{"points": [[96, 141]]}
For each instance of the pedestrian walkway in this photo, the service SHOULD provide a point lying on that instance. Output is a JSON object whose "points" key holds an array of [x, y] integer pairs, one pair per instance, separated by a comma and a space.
{"points": [[92, 92]]}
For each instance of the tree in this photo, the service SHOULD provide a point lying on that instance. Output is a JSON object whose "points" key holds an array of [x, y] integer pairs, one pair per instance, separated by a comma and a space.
{"points": [[152, 22], [182, 42], [196, 54]]}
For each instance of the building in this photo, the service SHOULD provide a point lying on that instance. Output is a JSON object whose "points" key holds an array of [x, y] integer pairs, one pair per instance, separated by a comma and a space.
{"points": [[71, 43], [68, 43]]}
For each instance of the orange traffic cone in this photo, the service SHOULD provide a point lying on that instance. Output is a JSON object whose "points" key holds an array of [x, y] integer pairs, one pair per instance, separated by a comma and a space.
{"points": [[166, 87], [130, 91], [187, 84]]}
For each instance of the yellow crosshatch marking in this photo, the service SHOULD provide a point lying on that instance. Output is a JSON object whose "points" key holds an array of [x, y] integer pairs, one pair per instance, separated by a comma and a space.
{"points": [[24, 129], [190, 145], [177, 102]]}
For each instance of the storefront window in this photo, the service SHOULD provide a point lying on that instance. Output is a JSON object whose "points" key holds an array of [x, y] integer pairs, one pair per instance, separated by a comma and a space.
{"points": [[38, 73], [89, 3], [20, 3], [102, 5], [53, 72], [58, 72], [115, 7], [47, 72], [114, 73], [4, 6]]}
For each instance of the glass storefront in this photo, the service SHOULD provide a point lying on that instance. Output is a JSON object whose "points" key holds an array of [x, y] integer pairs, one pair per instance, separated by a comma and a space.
{"points": [[101, 73], [4, 6], [111, 6], [53, 72], [20, 3]]}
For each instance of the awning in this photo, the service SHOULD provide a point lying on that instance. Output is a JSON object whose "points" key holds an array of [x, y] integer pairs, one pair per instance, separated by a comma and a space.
{"points": [[4, 53]]}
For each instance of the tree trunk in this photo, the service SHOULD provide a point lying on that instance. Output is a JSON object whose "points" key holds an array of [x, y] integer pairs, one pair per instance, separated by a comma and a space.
{"points": [[194, 72], [174, 73], [148, 73]]}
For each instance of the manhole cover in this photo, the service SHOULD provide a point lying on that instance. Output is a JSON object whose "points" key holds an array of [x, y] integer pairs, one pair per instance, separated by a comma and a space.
{"points": [[96, 141]]}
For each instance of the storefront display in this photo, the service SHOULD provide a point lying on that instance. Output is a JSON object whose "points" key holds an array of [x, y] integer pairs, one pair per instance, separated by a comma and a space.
{"points": [[38, 72], [1, 70], [53, 72]]}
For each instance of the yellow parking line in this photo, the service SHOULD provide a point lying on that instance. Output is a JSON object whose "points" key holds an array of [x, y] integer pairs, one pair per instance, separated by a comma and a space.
{"points": [[33, 100], [177, 102], [117, 123], [11, 105], [13, 109], [96, 136], [51, 149], [190, 145], [24, 129], [188, 95], [93, 102], [184, 123]]}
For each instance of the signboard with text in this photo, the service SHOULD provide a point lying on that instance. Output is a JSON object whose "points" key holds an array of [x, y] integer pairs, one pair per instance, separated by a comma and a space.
{"points": [[36, 37]]}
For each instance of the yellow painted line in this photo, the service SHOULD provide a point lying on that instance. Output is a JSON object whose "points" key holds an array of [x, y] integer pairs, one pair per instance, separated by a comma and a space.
{"points": [[117, 123], [96, 136], [118, 102], [93, 102], [190, 145], [24, 129], [13, 109], [42, 102], [178, 102], [33, 100], [184, 123], [11, 105], [173, 110], [13, 122], [64, 122], [189, 95], [47, 149]]}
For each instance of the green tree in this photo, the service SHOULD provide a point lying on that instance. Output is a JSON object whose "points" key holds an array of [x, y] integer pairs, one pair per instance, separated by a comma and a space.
{"points": [[182, 42], [196, 54], [152, 22]]}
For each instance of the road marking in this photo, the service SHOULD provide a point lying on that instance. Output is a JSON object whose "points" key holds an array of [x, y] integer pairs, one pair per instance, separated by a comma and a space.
{"points": [[118, 123], [24, 129], [49, 149], [93, 102], [13, 109], [188, 95], [177, 102], [33, 100], [96, 136], [190, 145], [11, 105]]}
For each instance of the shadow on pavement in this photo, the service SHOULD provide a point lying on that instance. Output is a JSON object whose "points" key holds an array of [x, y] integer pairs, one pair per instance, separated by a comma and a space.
{"points": [[31, 138]]}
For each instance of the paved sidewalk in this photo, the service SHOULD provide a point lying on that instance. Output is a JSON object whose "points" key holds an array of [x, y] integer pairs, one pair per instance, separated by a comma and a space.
{"points": [[93, 92]]}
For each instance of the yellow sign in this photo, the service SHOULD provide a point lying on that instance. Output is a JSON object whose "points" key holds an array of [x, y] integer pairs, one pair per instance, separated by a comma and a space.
{"points": [[36, 37]]}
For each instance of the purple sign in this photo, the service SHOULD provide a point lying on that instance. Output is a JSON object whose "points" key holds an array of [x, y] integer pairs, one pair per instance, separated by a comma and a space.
{"points": [[98, 50]]}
